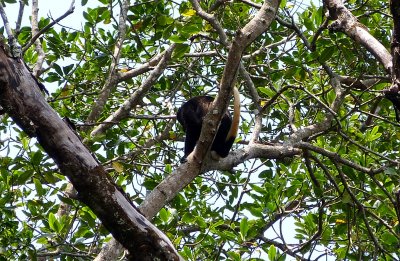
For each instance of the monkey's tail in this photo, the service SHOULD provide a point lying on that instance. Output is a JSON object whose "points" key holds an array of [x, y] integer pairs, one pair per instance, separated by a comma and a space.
{"points": [[236, 115]]}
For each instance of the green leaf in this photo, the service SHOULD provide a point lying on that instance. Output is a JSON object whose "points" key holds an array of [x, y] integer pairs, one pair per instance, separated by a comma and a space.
{"points": [[272, 253], [389, 238], [244, 227], [375, 130], [164, 215], [37, 157], [267, 91], [42, 240], [87, 17], [326, 54], [177, 39], [201, 222], [234, 256], [24, 176], [164, 20], [168, 169], [346, 198], [25, 142], [67, 69], [181, 50], [39, 188], [216, 225], [187, 217], [52, 221]]}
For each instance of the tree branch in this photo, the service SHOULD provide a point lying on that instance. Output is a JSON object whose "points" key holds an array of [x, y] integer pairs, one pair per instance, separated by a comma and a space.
{"points": [[131, 103], [38, 45], [347, 23], [112, 78], [20, 96], [185, 173]]}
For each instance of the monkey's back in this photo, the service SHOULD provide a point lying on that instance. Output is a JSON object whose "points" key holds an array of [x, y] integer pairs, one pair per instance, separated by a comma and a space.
{"points": [[191, 113]]}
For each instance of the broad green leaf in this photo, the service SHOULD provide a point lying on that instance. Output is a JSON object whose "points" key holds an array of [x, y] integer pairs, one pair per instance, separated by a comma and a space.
{"points": [[244, 227], [39, 188], [272, 253], [52, 221], [164, 215]]}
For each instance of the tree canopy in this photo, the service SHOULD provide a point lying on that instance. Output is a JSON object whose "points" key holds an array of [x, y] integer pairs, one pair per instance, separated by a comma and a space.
{"points": [[313, 174]]}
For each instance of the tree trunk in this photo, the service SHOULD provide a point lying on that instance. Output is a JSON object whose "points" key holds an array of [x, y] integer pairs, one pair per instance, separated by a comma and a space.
{"points": [[21, 98]]}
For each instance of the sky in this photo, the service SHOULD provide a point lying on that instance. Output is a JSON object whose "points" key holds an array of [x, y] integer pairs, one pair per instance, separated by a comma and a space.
{"points": [[49, 8]]}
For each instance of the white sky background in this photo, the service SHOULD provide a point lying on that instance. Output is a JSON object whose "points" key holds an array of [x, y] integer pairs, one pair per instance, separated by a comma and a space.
{"points": [[49, 8]]}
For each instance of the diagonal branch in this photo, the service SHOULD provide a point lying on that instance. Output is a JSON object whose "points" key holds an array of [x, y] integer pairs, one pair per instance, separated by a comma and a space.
{"points": [[131, 103], [346, 22], [185, 173], [12, 41], [112, 78], [20, 96]]}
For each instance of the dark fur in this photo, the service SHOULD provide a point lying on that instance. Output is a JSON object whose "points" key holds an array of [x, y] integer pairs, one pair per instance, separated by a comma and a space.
{"points": [[191, 115], [394, 97]]}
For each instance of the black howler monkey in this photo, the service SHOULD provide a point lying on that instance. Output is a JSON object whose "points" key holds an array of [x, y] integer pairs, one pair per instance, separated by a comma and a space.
{"points": [[191, 115]]}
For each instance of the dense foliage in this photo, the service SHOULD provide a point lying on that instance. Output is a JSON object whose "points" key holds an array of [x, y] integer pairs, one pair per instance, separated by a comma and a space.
{"points": [[336, 200]]}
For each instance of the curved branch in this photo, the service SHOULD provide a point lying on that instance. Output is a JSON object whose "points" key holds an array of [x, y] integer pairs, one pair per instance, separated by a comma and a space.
{"points": [[184, 174]]}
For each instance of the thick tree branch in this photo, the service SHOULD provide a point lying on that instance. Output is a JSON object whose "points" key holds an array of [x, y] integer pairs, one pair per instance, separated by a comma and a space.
{"points": [[394, 91], [122, 76], [12, 41], [185, 173], [20, 96], [244, 37], [347, 23], [395, 10]]}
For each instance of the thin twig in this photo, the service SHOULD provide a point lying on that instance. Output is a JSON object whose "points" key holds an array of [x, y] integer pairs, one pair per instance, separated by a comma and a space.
{"points": [[20, 14], [5, 22], [38, 45], [337, 158]]}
